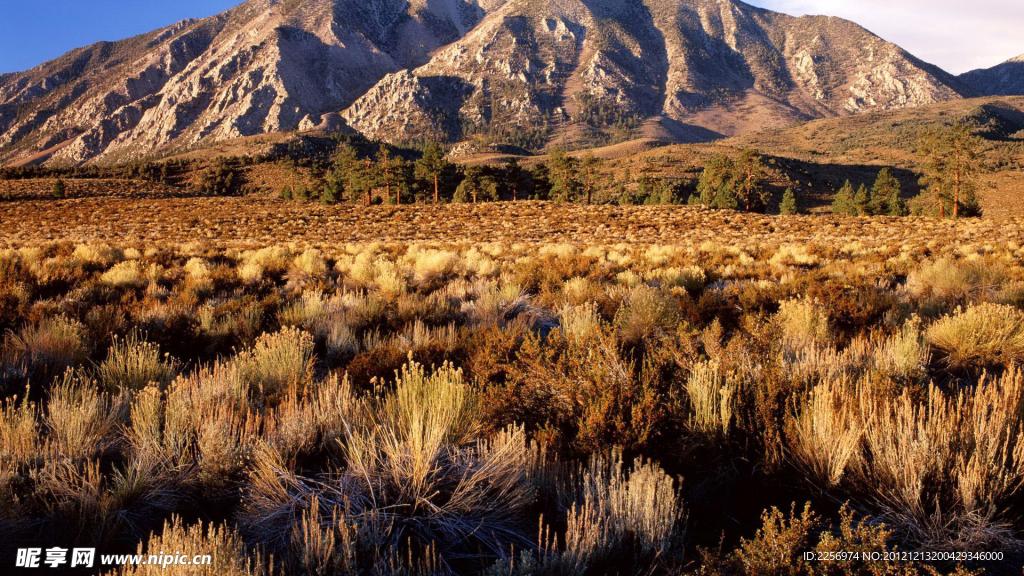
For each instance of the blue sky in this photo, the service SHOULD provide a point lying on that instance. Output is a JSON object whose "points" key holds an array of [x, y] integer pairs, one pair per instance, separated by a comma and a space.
{"points": [[34, 31], [955, 34]]}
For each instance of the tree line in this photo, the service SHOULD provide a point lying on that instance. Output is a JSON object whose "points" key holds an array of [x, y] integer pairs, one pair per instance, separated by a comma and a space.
{"points": [[383, 174]]}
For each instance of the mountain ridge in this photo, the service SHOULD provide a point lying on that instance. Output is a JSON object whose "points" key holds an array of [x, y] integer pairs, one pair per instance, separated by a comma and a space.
{"points": [[523, 72]]}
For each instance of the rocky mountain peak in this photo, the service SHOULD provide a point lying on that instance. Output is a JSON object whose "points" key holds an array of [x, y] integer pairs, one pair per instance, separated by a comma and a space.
{"points": [[520, 72]]}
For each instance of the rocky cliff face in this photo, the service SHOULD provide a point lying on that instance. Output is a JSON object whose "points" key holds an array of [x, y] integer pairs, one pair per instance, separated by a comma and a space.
{"points": [[264, 66], [583, 67], [522, 72], [1006, 79]]}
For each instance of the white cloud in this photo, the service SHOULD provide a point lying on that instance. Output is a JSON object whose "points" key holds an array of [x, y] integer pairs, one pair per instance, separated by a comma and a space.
{"points": [[957, 35]]}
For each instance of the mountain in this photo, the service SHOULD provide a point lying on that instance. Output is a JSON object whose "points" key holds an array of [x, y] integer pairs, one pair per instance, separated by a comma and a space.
{"points": [[1006, 79], [263, 66], [692, 69], [519, 72]]}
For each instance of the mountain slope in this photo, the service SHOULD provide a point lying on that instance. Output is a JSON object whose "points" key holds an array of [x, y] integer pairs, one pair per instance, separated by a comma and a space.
{"points": [[701, 68], [264, 66], [522, 72], [1006, 79]]}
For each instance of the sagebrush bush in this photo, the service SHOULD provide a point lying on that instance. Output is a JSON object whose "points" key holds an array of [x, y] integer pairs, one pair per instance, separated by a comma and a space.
{"points": [[132, 364], [946, 278], [980, 336], [51, 346], [277, 362], [464, 408]]}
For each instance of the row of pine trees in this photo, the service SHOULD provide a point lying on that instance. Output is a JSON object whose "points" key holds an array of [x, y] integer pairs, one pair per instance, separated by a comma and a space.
{"points": [[950, 158]]}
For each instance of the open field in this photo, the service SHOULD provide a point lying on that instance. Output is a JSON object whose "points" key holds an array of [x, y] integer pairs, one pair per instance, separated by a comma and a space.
{"points": [[257, 221], [510, 388]]}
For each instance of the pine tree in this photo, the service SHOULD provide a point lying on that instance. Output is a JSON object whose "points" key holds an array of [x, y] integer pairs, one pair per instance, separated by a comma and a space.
{"points": [[432, 167], [862, 202], [887, 195], [788, 206], [59, 191], [717, 184], [476, 186], [565, 183], [354, 173], [383, 174], [749, 178], [590, 169], [843, 204], [952, 162], [333, 189], [514, 178]]}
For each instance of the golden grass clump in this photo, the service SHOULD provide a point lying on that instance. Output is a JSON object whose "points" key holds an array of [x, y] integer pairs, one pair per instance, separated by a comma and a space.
{"points": [[98, 254], [277, 362], [691, 278], [132, 364], [52, 345], [127, 274], [713, 398], [80, 420], [311, 262], [226, 548], [946, 278], [982, 335], [825, 435], [804, 323], [638, 514], [19, 432]]}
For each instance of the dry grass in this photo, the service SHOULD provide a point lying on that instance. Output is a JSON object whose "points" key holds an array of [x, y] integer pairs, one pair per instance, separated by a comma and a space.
{"points": [[981, 336], [389, 407]]}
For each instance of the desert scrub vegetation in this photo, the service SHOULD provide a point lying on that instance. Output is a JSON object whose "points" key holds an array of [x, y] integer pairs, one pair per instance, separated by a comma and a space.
{"points": [[698, 407]]}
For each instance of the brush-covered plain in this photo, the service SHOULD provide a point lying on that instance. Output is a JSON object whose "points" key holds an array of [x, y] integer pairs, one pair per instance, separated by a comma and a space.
{"points": [[719, 395]]}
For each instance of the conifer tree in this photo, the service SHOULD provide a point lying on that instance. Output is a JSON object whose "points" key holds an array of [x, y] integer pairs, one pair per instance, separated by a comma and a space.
{"points": [[59, 191], [862, 202], [383, 172], [749, 178], [564, 173], [432, 167], [590, 170], [886, 195], [788, 206], [952, 162], [844, 204], [514, 178], [717, 183]]}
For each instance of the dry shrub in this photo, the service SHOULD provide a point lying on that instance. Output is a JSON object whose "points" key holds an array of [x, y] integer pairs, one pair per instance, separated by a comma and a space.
{"points": [[416, 474], [646, 314], [434, 267], [229, 554], [132, 364], [127, 274], [943, 470], [691, 278], [905, 355], [19, 431], [804, 323], [98, 254], [825, 435], [713, 395], [622, 519], [225, 440], [311, 263], [81, 421], [51, 346], [277, 362], [945, 278], [980, 336]]}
